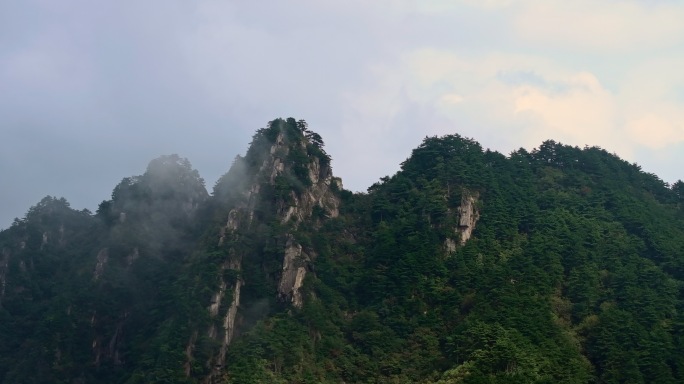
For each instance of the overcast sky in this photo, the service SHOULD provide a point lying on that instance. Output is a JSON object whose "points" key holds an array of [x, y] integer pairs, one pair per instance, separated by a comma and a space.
{"points": [[91, 91]]}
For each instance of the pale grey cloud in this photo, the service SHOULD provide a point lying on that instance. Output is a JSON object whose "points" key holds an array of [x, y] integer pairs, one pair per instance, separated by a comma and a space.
{"points": [[605, 27], [91, 91]]}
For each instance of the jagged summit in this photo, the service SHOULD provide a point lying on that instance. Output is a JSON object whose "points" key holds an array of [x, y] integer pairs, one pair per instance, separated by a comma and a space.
{"points": [[279, 155], [285, 178], [465, 266]]}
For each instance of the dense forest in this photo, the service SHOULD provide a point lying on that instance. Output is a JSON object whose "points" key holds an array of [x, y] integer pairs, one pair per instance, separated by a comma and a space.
{"points": [[557, 265]]}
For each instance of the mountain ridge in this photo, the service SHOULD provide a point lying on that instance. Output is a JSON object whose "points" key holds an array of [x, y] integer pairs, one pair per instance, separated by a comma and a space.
{"points": [[465, 266]]}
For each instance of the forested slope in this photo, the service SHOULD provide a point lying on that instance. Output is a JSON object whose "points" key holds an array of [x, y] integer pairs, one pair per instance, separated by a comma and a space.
{"points": [[467, 266]]}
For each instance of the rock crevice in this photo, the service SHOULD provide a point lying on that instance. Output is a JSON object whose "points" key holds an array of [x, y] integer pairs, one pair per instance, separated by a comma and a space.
{"points": [[467, 215], [290, 210]]}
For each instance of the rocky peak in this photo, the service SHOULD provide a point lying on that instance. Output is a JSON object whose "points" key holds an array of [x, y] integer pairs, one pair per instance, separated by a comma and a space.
{"points": [[285, 177]]}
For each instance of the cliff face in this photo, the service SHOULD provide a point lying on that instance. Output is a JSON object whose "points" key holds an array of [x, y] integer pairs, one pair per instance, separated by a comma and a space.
{"points": [[467, 215], [127, 272], [285, 178]]}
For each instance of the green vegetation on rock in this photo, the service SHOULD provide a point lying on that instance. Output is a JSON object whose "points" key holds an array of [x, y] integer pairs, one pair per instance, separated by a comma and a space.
{"points": [[559, 265]]}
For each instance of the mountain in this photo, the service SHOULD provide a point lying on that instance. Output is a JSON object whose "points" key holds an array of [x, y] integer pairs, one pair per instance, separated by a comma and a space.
{"points": [[559, 265]]}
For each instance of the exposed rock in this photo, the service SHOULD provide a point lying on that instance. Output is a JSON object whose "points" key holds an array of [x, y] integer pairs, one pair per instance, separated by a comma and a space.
{"points": [[291, 210], [300, 208], [111, 350], [467, 216], [278, 168], [113, 346], [188, 354], [216, 299], [294, 271], [234, 262], [231, 225], [450, 245], [102, 258], [229, 322]]}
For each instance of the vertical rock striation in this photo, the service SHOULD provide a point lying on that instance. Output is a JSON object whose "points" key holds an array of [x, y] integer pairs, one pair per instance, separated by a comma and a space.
{"points": [[467, 217], [284, 178]]}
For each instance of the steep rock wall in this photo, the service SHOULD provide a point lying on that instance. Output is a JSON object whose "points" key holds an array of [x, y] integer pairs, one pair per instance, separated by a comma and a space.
{"points": [[291, 210], [467, 217]]}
